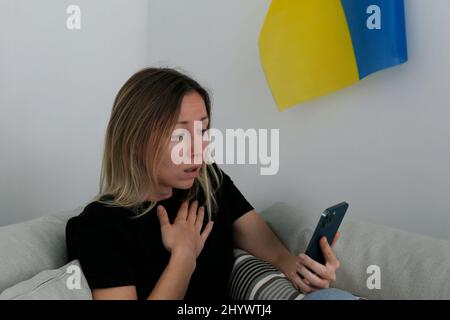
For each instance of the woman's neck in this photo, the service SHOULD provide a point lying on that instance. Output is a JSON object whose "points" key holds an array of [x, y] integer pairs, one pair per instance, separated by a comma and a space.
{"points": [[160, 194]]}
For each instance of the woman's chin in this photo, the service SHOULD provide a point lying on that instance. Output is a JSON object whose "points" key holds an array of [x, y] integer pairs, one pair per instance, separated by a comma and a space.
{"points": [[185, 184]]}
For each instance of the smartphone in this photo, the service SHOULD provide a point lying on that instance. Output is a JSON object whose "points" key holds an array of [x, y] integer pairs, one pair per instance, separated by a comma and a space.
{"points": [[328, 225]]}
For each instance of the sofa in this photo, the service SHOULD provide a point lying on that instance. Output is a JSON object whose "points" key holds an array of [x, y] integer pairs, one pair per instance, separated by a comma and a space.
{"points": [[377, 262]]}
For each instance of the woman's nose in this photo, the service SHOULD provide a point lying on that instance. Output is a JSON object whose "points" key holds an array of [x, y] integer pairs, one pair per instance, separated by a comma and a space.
{"points": [[197, 146]]}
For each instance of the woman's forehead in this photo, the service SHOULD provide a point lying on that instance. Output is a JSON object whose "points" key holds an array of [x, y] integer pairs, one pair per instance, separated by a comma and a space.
{"points": [[192, 108]]}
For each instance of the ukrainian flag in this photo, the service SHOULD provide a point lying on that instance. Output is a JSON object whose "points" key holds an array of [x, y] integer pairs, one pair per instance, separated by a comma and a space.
{"points": [[310, 48]]}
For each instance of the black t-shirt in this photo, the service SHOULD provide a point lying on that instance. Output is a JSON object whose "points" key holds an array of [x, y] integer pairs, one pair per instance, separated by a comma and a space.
{"points": [[115, 250]]}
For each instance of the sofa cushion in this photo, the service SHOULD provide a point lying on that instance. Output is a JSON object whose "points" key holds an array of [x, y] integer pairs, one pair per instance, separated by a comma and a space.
{"points": [[411, 266], [65, 283], [253, 279], [29, 247]]}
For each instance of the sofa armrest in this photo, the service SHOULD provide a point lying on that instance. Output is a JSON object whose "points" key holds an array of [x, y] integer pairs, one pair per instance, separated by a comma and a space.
{"points": [[30, 247]]}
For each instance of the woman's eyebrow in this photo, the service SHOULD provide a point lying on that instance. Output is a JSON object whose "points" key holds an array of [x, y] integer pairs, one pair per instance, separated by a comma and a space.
{"points": [[186, 122]]}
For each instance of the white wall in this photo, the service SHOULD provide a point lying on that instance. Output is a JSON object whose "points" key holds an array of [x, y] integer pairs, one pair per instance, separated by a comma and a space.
{"points": [[382, 145], [56, 92]]}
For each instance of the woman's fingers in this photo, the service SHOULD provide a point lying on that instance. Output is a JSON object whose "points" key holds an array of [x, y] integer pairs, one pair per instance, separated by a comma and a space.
{"points": [[162, 216], [299, 283], [207, 231], [199, 221], [314, 266], [328, 253], [183, 211], [311, 277], [336, 238], [192, 215]]}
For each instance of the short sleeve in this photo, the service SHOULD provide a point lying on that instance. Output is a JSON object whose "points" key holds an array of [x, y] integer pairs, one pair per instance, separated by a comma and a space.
{"points": [[104, 255], [234, 201]]}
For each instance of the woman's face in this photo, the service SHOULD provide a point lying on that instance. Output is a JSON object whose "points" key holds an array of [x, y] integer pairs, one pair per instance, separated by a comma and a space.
{"points": [[180, 176]]}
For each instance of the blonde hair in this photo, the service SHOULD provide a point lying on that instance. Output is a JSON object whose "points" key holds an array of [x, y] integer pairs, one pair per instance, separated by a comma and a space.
{"points": [[144, 113]]}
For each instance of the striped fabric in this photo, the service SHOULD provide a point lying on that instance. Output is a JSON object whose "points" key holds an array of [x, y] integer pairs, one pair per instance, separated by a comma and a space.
{"points": [[253, 279]]}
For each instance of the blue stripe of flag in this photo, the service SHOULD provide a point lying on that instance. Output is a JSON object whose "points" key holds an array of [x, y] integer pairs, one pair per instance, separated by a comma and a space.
{"points": [[377, 49]]}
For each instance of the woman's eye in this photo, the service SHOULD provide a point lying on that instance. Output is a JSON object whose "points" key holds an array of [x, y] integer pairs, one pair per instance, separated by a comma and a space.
{"points": [[202, 132], [177, 138]]}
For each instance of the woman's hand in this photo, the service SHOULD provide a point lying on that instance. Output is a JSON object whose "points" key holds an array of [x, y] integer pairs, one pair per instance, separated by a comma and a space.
{"points": [[183, 235], [316, 275]]}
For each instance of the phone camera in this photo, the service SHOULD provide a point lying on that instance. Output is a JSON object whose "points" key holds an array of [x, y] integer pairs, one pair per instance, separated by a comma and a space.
{"points": [[328, 219]]}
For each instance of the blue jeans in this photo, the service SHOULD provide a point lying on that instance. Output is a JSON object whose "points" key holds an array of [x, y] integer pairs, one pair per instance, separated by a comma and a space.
{"points": [[329, 294]]}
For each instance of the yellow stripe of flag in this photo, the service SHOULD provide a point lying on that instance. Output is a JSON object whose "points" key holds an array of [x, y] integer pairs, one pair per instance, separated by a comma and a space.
{"points": [[306, 50]]}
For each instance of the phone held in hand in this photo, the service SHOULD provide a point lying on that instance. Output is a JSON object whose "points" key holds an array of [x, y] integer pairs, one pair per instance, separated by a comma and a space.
{"points": [[327, 226]]}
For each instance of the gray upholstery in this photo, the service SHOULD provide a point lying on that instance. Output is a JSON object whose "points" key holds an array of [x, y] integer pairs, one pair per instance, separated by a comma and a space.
{"points": [[30, 247], [63, 283], [412, 266]]}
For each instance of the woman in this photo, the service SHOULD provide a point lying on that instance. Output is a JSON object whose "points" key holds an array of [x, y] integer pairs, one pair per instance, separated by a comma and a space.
{"points": [[161, 230]]}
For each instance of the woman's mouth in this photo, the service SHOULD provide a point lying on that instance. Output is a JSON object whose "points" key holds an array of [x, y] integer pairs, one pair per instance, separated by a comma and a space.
{"points": [[192, 171]]}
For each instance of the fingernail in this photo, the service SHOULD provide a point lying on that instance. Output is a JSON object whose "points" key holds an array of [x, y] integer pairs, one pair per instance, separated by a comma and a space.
{"points": [[301, 256]]}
